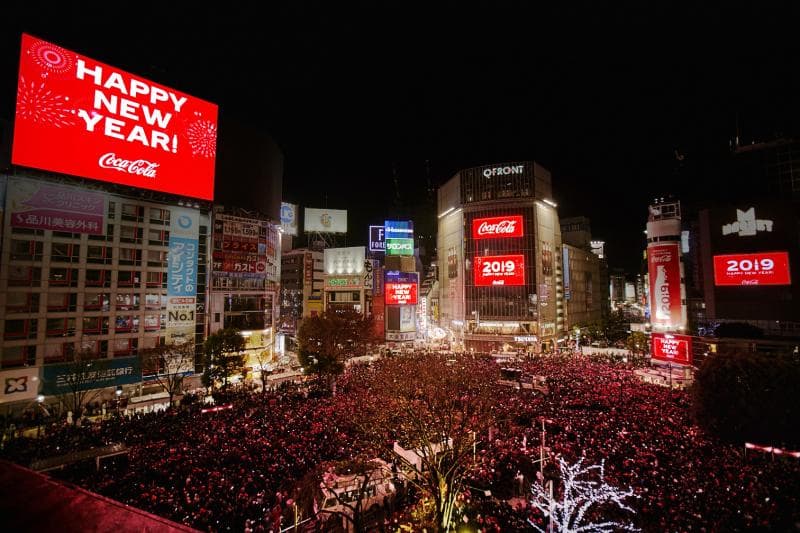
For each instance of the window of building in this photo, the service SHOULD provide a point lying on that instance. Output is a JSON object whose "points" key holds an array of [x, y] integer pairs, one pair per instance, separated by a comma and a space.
{"points": [[109, 236], [24, 276], [20, 329], [27, 231], [99, 254], [127, 302], [95, 325], [130, 234], [25, 250], [128, 278], [159, 216], [58, 352], [152, 322], [22, 302], [112, 210], [156, 279], [130, 256], [65, 252], [96, 301], [66, 235], [60, 327], [98, 278], [126, 324], [155, 301], [158, 237], [14, 356], [62, 301], [123, 347], [156, 258], [63, 277], [134, 213]]}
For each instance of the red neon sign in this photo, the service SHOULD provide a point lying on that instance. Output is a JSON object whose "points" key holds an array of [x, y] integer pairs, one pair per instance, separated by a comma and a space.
{"points": [[78, 116], [497, 227], [401, 293], [669, 348], [766, 268], [500, 270]]}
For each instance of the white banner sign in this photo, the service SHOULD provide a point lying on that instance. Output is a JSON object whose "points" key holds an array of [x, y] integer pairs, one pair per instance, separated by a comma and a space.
{"points": [[344, 260], [19, 384], [325, 220]]}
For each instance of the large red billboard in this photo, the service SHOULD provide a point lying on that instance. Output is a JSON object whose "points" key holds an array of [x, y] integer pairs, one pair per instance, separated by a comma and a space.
{"points": [[664, 269], [81, 117], [401, 293], [499, 270], [669, 348], [497, 227], [765, 268]]}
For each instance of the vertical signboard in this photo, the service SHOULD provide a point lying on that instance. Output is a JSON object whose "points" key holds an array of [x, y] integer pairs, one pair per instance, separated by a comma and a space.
{"points": [[664, 270], [289, 219], [565, 270], [182, 275], [377, 241], [38, 205], [399, 236]]}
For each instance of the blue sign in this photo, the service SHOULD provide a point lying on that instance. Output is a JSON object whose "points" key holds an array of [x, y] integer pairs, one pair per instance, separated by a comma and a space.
{"points": [[396, 276], [565, 260], [399, 229], [377, 239], [91, 374], [182, 267]]}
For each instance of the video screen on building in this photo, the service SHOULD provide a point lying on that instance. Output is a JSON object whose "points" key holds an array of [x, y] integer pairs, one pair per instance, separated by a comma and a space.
{"points": [[401, 293], [670, 348], [765, 268], [497, 227], [79, 116], [499, 270]]}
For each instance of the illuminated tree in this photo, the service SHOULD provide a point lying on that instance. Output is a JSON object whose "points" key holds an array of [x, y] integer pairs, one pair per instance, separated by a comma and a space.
{"points": [[436, 412], [570, 507], [224, 356]]}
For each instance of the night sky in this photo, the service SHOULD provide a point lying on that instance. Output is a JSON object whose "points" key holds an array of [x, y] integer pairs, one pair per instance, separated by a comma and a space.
{"points": [[603, 97]]}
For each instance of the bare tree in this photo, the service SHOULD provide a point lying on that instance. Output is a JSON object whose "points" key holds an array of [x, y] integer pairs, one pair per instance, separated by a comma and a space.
{"points": [[263, 358], [168, 365], [82, 381], [435, 412]]}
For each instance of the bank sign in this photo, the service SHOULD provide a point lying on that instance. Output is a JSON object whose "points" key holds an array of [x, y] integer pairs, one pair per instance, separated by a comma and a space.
{"points": [[94, 374], [78, 116]]}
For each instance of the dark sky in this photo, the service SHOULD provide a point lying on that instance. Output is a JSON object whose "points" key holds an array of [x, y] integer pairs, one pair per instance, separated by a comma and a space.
{"points": [[602, 96]]}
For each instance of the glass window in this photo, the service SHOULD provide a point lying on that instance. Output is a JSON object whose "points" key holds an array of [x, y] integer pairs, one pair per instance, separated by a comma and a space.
{"points": [[156, 279], [64, 251], [63, 277], [98, 278], [132, 212], [155, 301], [130, 234], [96, 301], [158, 236], [20, 329], [159, 216], [130, 256], [127, 302], [25, 250], [126, 278], [22, 302], [98, 254], [156, 258], [18, 356]]}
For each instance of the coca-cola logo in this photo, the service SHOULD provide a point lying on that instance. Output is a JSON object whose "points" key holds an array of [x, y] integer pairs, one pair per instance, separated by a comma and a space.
{"points": [[138, 167], [663, 258], [500, 228]]}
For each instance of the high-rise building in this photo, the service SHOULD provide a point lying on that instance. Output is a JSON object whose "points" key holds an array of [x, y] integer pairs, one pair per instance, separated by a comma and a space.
{"points": [[301, 287], [498, 245]]}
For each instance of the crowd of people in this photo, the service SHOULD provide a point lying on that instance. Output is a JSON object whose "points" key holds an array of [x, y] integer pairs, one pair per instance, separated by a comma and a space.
{"points": [[237, 469]]}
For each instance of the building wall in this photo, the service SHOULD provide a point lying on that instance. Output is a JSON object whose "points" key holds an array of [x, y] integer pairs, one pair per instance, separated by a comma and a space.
{"points": [[106, 293], [585, 303]]}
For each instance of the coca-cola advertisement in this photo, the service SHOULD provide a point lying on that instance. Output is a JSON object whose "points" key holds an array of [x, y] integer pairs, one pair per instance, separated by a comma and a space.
{"points": [[78, 116], [497, 227], [500, 270], [671, 348], [664, 269], [765, 268]]}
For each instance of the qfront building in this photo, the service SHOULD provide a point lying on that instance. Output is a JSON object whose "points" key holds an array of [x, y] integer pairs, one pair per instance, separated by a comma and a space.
{"points": [[499, 243]]}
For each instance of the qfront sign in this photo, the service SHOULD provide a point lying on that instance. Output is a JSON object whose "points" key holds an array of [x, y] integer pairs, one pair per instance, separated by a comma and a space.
{"points": [[497, 227], [766, 268], [503, 171], [81, 117]]}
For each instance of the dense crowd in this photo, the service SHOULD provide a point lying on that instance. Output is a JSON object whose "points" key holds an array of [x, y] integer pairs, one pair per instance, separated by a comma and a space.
{"points": [[236, 469]]}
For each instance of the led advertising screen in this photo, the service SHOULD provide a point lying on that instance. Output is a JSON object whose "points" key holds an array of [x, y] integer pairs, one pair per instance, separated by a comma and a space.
{"points": [[497, 227], [377, 241], [669, 348], [81, 117], [401, 293], [289, 218], [664, 270], [399, 229], [765, 268], [399, 246], [325, 220], [499, 270]]}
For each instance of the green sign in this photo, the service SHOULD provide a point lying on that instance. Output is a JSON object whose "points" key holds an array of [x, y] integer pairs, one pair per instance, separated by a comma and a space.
{"points": [[90, 374], [399, 246]]}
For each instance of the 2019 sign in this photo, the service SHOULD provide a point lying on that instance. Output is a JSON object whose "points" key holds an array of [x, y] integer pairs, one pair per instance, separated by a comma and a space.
{"points": [[500, 270], [766, 268], [78, 116]]}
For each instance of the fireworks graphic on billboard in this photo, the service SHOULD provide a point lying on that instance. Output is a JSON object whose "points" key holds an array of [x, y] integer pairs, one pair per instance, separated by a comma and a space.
{"points": [[37, 103], [202, 135], [51, 58]]}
